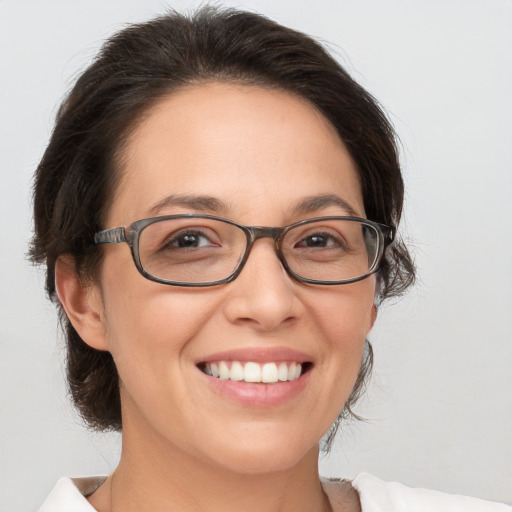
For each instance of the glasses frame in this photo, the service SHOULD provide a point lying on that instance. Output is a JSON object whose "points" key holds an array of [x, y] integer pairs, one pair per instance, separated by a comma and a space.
{"points": [[131, 236]]}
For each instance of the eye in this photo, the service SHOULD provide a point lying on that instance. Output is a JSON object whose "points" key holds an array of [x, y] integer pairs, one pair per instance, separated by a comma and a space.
{"points": [[190, 239], [319, 239]]}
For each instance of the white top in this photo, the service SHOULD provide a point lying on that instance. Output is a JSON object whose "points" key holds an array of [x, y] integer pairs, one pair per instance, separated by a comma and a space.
{"points": [[68, 495]]}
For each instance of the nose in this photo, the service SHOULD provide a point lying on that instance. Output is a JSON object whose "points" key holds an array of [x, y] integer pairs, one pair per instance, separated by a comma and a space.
{"points": [[263, 295]]}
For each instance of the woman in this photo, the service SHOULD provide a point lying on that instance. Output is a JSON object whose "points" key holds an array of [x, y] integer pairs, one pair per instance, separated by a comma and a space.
{"points": [[217, 211]]}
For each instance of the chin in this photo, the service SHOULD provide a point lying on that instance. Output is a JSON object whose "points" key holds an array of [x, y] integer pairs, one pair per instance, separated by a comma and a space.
{"points": [[265, 453]]}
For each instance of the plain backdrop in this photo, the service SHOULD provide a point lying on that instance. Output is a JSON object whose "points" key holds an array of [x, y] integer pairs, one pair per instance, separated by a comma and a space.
{"points": [[439, 409]]}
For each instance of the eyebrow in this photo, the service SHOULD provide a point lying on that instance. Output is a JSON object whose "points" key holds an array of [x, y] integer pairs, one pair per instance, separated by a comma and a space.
{"points": [[314, 203], [200, 203], [204, 203]]}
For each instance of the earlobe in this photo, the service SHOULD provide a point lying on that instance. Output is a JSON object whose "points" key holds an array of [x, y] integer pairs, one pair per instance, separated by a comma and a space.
{"points": [[82, 303], [376, 299], [373, 316]]}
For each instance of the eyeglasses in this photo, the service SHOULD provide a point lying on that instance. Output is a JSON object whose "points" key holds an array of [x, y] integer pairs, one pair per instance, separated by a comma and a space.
{"points": [[203, 250]]}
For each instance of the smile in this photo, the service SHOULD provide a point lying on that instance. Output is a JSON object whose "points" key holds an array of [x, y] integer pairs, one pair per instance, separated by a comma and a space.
{"points": [[267, 373]]}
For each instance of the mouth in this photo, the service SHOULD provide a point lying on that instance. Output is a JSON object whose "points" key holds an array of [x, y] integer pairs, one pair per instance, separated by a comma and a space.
{"points": [[270, 372]]}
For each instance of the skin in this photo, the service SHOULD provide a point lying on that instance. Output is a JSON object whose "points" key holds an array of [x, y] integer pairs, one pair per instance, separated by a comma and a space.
{"points": [[185, 447]]}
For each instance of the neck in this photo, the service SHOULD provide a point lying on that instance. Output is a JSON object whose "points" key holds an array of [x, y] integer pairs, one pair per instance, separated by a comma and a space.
{"points": [[157, 476], [176, 481]]}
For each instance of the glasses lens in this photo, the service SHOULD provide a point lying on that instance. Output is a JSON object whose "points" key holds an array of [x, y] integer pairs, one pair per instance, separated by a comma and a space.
{"points": [[191, 250], [331, 249]]}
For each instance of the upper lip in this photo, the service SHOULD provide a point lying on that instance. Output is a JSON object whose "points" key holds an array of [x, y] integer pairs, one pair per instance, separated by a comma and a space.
{"points": [[258, 355]]}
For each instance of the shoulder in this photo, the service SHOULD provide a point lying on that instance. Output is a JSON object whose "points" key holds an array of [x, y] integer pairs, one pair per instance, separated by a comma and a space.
{"points": [[69, 495], [376, 495]]}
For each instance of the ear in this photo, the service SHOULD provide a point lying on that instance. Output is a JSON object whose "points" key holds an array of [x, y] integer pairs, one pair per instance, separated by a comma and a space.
{"points": [[82, 303], [373, 316], [376, 299]]}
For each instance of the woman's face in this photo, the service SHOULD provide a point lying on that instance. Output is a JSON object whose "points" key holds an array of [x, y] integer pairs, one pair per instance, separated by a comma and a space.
{"points": [[258, 154]]}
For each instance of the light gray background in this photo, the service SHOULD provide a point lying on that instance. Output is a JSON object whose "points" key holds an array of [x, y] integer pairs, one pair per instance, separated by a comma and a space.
{"points": [[440, 406]]}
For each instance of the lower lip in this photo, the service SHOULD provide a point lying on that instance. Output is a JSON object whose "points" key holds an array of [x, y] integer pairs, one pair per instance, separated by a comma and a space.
{"points": [[258, 394]]}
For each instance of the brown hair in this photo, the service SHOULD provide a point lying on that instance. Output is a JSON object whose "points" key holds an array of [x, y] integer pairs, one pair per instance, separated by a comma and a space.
{"points": [[133, 70]]}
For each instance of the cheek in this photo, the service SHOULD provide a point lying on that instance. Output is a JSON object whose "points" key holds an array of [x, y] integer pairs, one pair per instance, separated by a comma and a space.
{"points": [[345, 317], [347, 314], [152, 336], [148, 325], [155, 323]]}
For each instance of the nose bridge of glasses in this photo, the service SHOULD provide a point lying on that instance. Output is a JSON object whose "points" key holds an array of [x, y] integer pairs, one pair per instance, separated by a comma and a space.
{"points": [[257, 232], [264, 232]]}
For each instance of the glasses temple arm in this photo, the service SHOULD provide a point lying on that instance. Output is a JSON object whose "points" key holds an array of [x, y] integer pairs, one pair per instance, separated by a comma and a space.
{"points": [[390, 235], [110, 236]]}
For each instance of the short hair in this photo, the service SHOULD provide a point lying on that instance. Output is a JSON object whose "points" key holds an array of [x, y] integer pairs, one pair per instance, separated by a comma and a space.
{"points": [[136, 68]]}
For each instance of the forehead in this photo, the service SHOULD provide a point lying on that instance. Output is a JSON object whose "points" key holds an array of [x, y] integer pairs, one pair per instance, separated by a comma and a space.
{"points": [[250, 147]]}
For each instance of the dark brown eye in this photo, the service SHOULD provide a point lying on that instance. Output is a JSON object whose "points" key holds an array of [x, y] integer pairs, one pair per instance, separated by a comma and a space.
{"points": [[189, 239], [318, 240]]}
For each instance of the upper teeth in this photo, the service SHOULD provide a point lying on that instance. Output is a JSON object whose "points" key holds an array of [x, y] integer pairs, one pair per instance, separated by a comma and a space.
{"points": [[254, 372]]}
